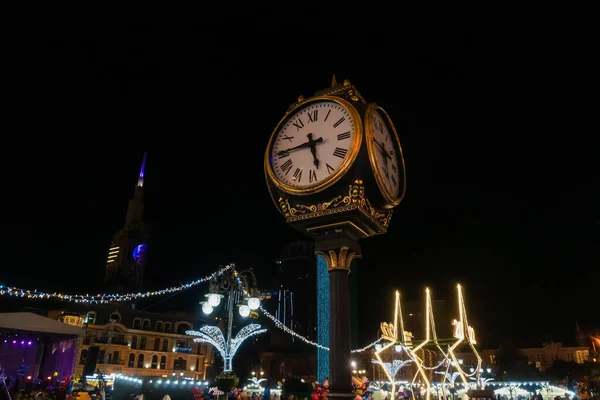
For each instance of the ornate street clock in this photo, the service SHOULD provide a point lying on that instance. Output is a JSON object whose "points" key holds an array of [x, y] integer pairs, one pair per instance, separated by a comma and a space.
{"points": [[334, 165]]}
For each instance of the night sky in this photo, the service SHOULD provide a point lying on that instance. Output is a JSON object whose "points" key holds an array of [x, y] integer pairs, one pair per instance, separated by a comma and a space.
{"points": [[501, 178]]}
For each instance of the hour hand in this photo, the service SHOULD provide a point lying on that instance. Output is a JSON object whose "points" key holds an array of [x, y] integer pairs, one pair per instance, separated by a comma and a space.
{"points": [[313, 150]]}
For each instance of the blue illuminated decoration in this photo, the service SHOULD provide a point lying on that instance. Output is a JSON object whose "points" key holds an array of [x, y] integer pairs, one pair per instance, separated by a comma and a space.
{"points": [[140, 254], [322, 318], [139, 250]]}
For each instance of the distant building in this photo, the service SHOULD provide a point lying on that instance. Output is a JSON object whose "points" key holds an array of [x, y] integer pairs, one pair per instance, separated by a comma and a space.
{"points": [[292, 302], [127, 254], [141, 343], [295, 288], [543, 357]]}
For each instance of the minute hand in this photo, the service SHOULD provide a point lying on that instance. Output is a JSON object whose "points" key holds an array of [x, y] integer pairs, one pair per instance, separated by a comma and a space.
{"points": [[300, 146]]}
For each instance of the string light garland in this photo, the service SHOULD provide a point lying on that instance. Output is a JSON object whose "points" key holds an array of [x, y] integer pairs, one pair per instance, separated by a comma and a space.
{"points": [[104, 298], [284, 328]]}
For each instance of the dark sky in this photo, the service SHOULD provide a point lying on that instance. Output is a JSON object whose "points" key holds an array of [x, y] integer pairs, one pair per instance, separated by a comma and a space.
{"points": [[501, 178]]}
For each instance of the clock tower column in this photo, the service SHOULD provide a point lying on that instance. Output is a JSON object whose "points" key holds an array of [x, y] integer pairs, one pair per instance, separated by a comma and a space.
{"points": [[339, 254]]}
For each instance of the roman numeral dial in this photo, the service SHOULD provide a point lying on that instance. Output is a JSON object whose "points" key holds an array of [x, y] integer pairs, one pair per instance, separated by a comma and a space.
{"points": [[314, 144], [385, 154]]}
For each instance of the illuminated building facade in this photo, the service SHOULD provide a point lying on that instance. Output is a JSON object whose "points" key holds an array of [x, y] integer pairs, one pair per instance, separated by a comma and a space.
{"points": [[141, 343], [128, 251], [543, 357]]}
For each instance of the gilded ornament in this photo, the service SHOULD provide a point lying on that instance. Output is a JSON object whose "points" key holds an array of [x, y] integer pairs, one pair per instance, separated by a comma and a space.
{"points": [[339, 259], [354, 200]]}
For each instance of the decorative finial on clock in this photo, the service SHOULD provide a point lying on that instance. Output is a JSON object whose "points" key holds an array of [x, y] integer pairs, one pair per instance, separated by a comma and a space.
{"points": [[333, 81]]}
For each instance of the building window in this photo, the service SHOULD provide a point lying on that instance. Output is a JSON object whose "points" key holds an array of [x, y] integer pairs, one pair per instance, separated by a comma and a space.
{"points": [[140, 363], [570, 357], [154, 361], [137, 323], [163, 362], [179, 364], [157, 344], [115, 357], [90, 318], [160, 326], [146, 325], [102, 355], [182, 327], [165, 346], [131, 362], [143, 343], [168, 327], [134, 342], [83, 356], [116, 317]]}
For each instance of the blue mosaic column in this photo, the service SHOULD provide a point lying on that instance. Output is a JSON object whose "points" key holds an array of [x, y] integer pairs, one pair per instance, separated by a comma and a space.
{"points": [[323, 318]]}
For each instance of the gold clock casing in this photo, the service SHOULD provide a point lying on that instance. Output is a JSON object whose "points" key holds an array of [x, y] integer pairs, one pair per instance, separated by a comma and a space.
{"points": [[389, 200], [340, 171]]}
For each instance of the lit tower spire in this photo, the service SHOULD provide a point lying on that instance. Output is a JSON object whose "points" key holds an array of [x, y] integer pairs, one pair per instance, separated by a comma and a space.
{"points": [[136, 204], [141, 177]]}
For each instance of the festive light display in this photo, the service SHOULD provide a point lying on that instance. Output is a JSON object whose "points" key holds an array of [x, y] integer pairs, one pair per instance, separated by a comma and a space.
{"points": [[430, 338], [287, 330], [484, 381], [462, 331], [393, 367], [257, 381], [107, 297], [214, 336], [389, 332]]}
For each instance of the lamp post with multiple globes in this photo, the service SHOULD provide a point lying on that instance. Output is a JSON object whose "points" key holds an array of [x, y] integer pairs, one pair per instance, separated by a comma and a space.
{"points": [[241, 292]]}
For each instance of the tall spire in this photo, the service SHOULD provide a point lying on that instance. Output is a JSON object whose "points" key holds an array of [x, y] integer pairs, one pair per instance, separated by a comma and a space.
{"points": [[141, 177], [333, 81], [136, 204]]}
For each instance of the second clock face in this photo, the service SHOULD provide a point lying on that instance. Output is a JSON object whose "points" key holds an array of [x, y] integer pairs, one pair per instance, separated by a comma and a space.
{"points": [[388, 162], [314, 144]]}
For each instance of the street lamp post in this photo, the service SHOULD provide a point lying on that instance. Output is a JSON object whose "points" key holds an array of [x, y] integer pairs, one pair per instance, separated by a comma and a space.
{"points": [[241, 291]]}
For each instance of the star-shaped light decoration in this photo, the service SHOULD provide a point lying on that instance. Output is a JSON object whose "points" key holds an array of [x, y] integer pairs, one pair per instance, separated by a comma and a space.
{"points": [[389, 333], [430, 338], [460, 327]]}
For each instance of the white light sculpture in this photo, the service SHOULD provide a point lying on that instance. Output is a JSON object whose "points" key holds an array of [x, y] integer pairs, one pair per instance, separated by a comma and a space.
{"points": [[207, 308], [484, 381], [214, 336], [244, 310], [257, 381], [393, 367]]}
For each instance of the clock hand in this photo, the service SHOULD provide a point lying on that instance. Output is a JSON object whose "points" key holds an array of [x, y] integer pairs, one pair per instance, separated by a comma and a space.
{"points": [[300, 146], [313, 149]]}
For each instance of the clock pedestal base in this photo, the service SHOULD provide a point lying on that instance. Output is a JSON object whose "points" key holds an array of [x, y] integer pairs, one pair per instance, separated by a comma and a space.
{"points": [[339, 254]]}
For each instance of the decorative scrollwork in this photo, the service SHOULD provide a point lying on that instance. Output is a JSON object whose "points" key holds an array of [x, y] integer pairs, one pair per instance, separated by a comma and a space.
{"points": [[354, 200]]}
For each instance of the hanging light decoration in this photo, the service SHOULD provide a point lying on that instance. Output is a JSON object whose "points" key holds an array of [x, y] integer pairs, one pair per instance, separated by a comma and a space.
{"points": [[254, 299], [244, 310], [207, 308]]}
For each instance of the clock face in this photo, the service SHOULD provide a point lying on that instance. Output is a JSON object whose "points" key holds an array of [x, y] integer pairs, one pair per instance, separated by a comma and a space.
{"points": [[314, 145], [386, 155]]}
